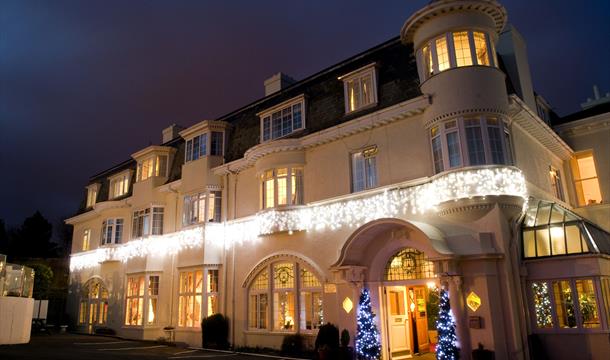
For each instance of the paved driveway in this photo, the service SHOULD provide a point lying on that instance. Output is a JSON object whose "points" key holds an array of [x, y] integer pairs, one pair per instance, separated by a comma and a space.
{"points": [[83, 347]]}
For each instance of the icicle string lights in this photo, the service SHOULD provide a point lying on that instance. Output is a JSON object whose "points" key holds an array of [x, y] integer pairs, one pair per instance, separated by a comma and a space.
{"points": [[331, 216]]}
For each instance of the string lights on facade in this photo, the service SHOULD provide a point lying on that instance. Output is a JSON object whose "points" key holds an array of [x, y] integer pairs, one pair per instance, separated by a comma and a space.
{"points": [[329, 216]]}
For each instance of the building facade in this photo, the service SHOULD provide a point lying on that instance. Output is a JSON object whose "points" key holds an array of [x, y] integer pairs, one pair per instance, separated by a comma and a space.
{"points": [[427, 161]]}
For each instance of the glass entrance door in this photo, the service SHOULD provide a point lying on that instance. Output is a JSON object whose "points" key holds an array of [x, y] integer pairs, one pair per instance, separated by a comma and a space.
{"points": [[398, 322]]}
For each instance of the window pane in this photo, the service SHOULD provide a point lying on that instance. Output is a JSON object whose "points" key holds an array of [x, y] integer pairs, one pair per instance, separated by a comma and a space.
{"points": [[263, 309], [437, 154], [358, 179], [216, 144], [262, 281], [573, 239], [212, 281], [558, 245], [453, 149], [283, 303], [480, 46], [297, 120], [282, 190], [189, 150], [283, 276], [542, 305], [495, 144], [253, 311], [564, 305], [474, 139], [587, 303], [269, 193], [311, 310], [529, 245], [462, 48], [157, 225], [353, 90], [203, 144], [152, 311], [297, 186], [427, 55], [370, 168], [542, 242], [544, 213], [442, 53], [266, 128], [367, 88], [286, 121], [212, 305], [276, 124]]}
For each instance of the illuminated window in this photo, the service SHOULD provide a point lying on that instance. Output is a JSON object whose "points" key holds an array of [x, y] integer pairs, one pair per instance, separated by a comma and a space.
{"points": [[282, 186], [564, 304], [142, 224], [427, 57], [409, 264], [152, 299], [86, 239], [364, 169], [585, 179], [112, 231], [461, 44], [480, 46], [212, 292], [283, 120], [360, 88], [152, 166], [555, 177], [587, 303], [190, 298], [542, 305], [194, 208], [92, 195], [93, 306], [285, 300], [134, 298], [442, 53], [119, 185]]}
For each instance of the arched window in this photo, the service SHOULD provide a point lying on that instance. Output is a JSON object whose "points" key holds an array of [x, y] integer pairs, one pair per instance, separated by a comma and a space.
{"points": [[409, 264], [285, 293], [93, 307]]}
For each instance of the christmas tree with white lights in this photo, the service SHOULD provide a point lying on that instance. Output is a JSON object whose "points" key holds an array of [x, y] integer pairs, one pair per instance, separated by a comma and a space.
{"points": [[447, 347], [368, 346]]}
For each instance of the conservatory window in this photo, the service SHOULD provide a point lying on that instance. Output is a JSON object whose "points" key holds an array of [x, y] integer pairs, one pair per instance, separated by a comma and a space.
{"points": [[281, 186], [585, 179], [291, 287], [190, 298]]}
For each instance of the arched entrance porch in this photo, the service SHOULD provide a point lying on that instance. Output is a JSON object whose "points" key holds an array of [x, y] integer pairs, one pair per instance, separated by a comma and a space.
{"points": [[399, 262], [93, 304]]}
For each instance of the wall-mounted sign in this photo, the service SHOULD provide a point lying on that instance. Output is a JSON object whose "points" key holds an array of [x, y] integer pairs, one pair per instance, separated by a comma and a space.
{"points": [[473, 301]]}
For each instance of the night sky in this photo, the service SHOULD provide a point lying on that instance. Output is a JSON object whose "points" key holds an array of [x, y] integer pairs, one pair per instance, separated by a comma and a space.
{"points": [[84, 84]]}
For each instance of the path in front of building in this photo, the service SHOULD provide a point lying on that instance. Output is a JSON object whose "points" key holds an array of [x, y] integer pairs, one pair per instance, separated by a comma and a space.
{"points": [[84, 347]]}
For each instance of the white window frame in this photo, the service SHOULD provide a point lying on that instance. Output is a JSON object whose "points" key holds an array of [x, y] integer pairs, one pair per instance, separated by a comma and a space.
{"points": [[92, 192], [142, 213], [190, 153], [367, 153], [577, 178], [280, 108], [192, 292], [271, 175], [271, 290], [157, 169], [120, 182], [210, 293], [146, 297], [116, 237], [203, 207], [358, 75]]}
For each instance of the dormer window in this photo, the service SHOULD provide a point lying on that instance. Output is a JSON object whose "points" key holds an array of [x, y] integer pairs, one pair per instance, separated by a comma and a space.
{"points": [[119, 185], [360, 88], [92, 194], [456, 49], [197, 147], [283, 119], [152, 166]]}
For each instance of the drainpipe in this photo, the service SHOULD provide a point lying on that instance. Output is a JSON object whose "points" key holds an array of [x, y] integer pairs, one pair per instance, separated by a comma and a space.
{"points": [[171, 298], [235, 176]]}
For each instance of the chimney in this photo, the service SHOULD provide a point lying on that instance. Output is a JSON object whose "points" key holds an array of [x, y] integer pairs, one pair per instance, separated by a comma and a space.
{"points": [[277, 82], [171, 132]]}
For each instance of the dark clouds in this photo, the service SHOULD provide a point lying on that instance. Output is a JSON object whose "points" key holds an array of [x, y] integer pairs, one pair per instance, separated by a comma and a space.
{"points": [[84, 84]]}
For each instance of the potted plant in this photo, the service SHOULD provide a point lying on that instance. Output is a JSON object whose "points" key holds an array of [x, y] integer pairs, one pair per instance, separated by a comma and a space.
{"points": [[327, 342]]}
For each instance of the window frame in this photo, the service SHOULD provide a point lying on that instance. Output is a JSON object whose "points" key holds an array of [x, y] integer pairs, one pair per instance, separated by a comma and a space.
{"points": [[149, 212], [291, 176], [125, 179], [156, 169], [204, 294], [358, 76], [269, 114], [145, 295], [271, 290], [92, 194], [116, 237], [577, 179], [86, 240], [579, 328], [367, 153], [201, 202]]}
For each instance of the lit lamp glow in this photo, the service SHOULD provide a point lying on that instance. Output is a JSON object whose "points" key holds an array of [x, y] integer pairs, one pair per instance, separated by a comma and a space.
{"points": [[473, 301], [348, 305]]}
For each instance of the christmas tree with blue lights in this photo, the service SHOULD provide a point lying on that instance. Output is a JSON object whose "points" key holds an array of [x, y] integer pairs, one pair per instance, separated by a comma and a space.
{"points": [[368, 346], [447, 347]]}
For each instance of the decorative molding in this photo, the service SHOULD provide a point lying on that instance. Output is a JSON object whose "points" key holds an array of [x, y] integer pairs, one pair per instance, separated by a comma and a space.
{"points": [[477, 111]]}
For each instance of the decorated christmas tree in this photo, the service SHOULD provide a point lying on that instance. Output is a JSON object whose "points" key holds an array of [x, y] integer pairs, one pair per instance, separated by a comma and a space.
{"points": [[368, 346], [447, 347]]}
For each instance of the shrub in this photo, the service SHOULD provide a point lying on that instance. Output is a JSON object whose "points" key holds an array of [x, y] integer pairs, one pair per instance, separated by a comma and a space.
{"points": [[215, 332], [292, 345], [328, 336]]}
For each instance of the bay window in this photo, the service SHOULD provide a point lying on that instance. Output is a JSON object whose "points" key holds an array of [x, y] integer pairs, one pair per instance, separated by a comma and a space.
{"points": [[141, 299], [283, 120], [296, 293], [567, 303], [152, 166], [456, 49], [364, 169], [469, 141], [196, 147], [145, 225], [281, 186], [195, 206], [585, 179], [112, 231]]}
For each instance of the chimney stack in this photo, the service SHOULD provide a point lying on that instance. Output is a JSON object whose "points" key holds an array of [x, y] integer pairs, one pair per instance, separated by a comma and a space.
{"points": [[277, 82], [171, 132]]}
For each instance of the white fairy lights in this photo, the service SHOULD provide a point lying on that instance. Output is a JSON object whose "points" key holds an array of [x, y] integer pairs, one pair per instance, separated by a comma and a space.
{"points": [[352, 212]]}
